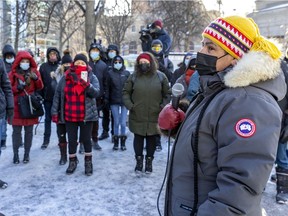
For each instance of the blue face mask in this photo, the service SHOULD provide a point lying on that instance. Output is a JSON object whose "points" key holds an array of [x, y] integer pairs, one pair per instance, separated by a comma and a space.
{"points": [[94, 55], [186, 62], [118, 66], [111, 55], [10, 61], [24, 66]]}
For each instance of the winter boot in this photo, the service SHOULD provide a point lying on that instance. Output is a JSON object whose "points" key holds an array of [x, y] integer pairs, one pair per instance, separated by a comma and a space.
{"points": [[81, 148], [88, 165], [63, 153], [139, 163], [3, 144], [158, 143], [26, 158], [72, 165], [3, 184], [96, 146], [116, 142], [282, 185], [123, 141], [148, 164], [45, 144], [16, 158], [104, 135]]}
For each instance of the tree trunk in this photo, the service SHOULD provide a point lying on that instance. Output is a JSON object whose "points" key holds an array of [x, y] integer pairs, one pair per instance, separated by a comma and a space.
{"points": [[90, 23], [17, 28]]}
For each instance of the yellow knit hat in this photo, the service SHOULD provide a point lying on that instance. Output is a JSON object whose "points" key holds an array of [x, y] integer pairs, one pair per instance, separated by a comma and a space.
{"points": [[238, 35]]}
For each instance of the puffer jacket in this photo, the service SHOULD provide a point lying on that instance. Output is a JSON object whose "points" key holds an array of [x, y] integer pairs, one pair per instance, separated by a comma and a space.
{"points": [[8, 49], [91, 93], [6, 96], [144, 95], [34, 86], [235, 147]]}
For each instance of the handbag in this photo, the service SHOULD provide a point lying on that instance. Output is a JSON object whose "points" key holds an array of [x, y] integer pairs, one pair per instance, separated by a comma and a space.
{"points": [[30, 106]]}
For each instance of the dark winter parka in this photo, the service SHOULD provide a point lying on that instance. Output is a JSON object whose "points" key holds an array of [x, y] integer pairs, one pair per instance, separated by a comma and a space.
{"points": [[91, 92], [144, 95], [33, 86], [115, 83], [45, 70], [6, 95], [234, 148]]}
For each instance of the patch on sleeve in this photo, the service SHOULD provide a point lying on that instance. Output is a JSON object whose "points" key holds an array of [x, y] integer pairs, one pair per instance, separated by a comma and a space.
{"points": [[245, 128]]}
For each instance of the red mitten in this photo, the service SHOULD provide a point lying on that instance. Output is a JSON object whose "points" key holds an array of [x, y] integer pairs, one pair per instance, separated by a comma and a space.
{"points": [[55, 119], [169, 118]]}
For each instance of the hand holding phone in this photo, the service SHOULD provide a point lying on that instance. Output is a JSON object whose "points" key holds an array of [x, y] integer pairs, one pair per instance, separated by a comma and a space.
{"points": [[84, 75]]}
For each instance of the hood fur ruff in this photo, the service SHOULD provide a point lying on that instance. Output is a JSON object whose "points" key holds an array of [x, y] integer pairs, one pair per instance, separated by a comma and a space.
{"points": [[252, 68]]}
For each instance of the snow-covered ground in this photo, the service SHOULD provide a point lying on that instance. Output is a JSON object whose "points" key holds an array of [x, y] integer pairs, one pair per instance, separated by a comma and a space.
{"points": [[42, 188]]}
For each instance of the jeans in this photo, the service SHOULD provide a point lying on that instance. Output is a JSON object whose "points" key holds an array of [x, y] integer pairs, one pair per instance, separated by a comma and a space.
{"points": [[48, 118], [1, 127], [120, 116], [282, 156]]}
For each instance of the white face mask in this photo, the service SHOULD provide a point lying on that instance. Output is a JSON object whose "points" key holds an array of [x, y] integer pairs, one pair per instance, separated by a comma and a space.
{"points": [[118, 66], [24, 66], [111, 55], [10, 61], [94, 55]]}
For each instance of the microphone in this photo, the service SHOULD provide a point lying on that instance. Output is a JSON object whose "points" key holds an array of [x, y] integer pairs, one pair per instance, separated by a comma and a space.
{"points": [[177, 91]]}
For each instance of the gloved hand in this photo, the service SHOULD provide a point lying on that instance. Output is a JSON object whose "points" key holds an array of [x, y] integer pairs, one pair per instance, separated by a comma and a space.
{"points": [[21, 86], [33, 76], [162, 67], [10, 115], [169, 118], [55, 119], [145, 38], [52, 74]]}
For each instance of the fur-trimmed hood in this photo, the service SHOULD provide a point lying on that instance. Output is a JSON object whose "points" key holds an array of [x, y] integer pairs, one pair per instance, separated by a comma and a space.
{"points": [[260, 70]]}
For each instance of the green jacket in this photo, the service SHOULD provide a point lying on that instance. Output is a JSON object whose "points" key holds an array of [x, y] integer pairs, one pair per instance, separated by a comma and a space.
{"points": [[145, 95]]}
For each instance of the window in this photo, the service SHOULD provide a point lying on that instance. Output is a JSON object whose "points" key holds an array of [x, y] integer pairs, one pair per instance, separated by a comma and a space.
{"points": [[133, 47]]}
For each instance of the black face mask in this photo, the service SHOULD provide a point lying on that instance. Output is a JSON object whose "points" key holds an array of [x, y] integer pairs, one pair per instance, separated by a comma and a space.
{"points": [[206, 64], [144, 68]]}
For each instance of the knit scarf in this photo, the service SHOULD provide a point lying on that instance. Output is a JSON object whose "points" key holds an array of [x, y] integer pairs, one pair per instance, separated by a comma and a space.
{"points": [[78, 89]]}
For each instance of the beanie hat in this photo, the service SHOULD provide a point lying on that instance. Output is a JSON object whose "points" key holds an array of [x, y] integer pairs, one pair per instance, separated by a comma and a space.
{"points": [[113, 47], [66, 57], [144, 56], [238, 35], [81, 56], [158, 23]]}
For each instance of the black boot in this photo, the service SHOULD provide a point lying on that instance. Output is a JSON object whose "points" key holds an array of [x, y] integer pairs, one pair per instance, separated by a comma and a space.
{"points": [[104, 135], [63, 153], [3, 144], [139, 163], [88, 165], [116, 142], [282, 185], [123, 141], [72, 165], [96, 146], [148, 164], [45, 144], [3, 184], [16, 158], [26, 158]]}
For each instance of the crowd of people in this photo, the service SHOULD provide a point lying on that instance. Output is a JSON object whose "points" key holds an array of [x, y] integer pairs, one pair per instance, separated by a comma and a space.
{"points": [[227, 128]]}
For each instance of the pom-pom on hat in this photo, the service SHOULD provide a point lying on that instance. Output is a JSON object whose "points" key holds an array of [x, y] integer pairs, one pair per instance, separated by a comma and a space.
{"points": [[81, 56], [158, 23], [238, 35], [144, 56]]}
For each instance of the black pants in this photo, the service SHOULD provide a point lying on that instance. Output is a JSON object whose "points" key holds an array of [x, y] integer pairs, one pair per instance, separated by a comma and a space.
{"points": [[85, 134], [61, 133], [139, 145], [48, 118], [106, 120], [95, 128], [17, 138]]}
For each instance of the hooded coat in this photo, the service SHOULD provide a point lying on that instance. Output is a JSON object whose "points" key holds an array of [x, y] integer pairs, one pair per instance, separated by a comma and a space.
{"points": [[35, 85], [8, 49], [234, 147], [144, 95]]}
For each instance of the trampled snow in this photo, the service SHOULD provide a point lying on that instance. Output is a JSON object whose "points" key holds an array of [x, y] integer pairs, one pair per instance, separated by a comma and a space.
{"points": [[42, 188]]}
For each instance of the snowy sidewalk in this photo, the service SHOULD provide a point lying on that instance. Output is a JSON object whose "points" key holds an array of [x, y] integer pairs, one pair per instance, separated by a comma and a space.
{"points": [[42, 188]]}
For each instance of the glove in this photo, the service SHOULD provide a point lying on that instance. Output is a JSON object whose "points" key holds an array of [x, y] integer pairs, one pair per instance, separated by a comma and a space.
{"points": [[55, 119], [169, 118], [52, 74], [145, 38], [10, 115], [21, 86], [33, 76]]}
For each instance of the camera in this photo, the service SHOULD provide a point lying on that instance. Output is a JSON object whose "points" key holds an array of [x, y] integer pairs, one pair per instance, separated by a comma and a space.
{"points": [[146, 30]]}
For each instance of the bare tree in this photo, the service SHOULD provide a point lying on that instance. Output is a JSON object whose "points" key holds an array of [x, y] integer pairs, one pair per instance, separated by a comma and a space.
{"points": [[182, 19]]}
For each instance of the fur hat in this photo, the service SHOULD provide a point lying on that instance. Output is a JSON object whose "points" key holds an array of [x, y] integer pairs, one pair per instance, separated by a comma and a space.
{"points": [[238, 35]]}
